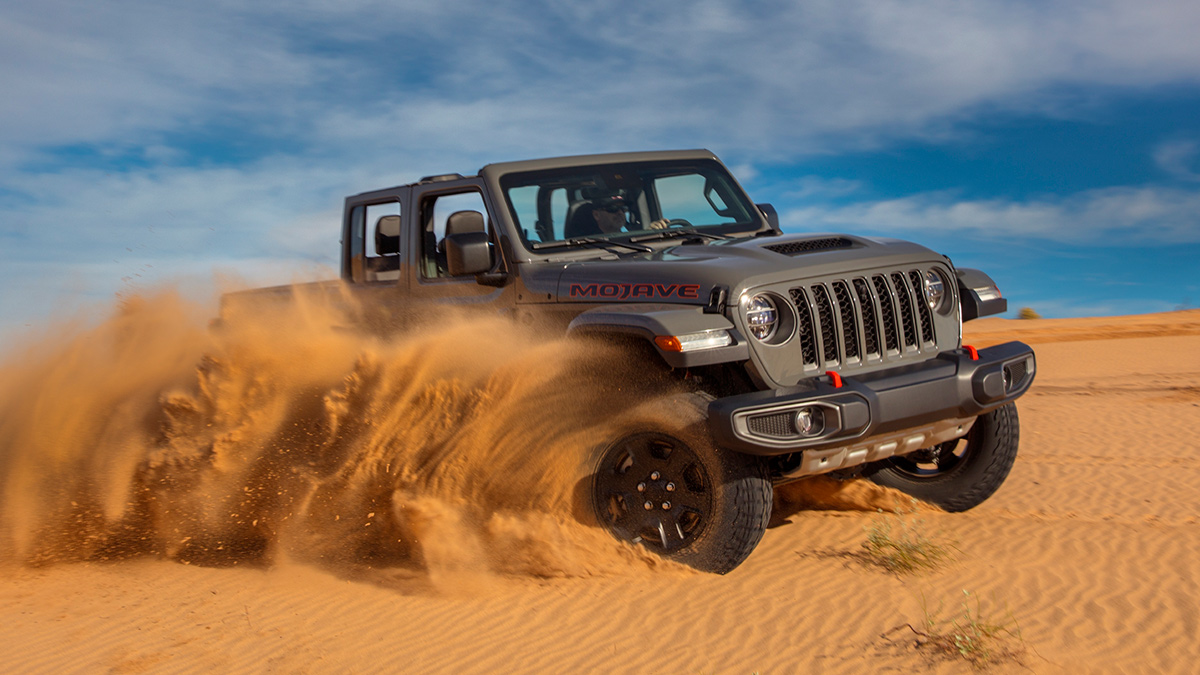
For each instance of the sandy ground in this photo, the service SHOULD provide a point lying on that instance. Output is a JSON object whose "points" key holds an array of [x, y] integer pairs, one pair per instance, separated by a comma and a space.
{"points": [[1091, 548]]}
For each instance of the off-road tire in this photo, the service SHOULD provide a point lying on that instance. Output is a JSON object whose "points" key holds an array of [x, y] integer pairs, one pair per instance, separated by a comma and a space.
{"points": [[719, 500], [978, 470]]}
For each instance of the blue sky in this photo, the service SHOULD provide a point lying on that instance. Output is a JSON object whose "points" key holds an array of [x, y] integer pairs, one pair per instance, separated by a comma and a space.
{"points": [[1055, 145]]}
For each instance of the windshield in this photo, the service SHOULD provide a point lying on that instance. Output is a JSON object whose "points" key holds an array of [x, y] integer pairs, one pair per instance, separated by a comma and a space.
{"points": [[556, 207]]}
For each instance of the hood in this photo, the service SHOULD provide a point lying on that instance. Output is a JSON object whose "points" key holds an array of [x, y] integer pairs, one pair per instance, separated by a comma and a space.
{"points": [[688, 273]]}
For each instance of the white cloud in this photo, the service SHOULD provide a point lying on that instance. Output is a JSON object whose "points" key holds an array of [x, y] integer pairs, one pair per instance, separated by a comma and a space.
{"points": [[86, 236], [172, 212], [83, 72], [1179, 159], [818, 187], [1142, 216], [768, 79], [328, 98]]}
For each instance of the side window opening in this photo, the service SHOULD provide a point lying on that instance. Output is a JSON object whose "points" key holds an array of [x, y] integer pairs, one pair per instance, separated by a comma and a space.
{"points": [[435, 210], [558, 212], [679, 198], [352, 264], [382, 242], [540, 211]]}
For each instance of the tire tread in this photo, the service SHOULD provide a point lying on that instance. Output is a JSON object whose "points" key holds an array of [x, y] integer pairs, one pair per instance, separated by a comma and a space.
{"points": [[983, 472]]}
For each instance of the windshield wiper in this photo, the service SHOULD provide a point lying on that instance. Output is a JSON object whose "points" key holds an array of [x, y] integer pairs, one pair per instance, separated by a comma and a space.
{"points": [[676, 231], [593, 241]]}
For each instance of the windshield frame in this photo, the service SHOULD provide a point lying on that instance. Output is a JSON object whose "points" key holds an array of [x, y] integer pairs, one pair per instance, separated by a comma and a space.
{"points": [[636, 179]]}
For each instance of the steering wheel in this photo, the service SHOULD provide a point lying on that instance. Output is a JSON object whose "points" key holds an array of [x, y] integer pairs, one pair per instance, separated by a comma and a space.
{"points": [[678, 222]]}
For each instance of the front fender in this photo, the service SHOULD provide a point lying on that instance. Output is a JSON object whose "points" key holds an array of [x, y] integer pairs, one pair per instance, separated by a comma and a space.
{"points": [[649, 321]]}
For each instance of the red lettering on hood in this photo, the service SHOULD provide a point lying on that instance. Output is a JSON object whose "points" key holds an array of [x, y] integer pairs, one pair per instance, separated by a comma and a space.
{"points": [[636, 291]]}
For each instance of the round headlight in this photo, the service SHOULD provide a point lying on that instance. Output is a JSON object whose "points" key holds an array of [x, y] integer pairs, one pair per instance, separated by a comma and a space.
{"points": [[762, 317], [935, 290]]}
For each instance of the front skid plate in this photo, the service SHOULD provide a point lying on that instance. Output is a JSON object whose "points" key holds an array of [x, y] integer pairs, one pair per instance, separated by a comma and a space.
{"points": [[876, 448]]}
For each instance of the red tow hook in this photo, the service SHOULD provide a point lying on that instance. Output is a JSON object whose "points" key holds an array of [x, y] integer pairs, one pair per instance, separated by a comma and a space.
{"points": [[837, 379], [972, 351]]}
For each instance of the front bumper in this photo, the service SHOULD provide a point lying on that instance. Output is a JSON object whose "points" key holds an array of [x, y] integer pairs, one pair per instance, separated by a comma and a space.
{"points": [[954, 386]]}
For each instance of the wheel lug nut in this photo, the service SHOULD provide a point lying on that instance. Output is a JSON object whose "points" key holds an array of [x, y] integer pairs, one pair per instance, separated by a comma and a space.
{"points": [[666, 506], [648, 506], [654, 476], [670, 487], [641, 487]]}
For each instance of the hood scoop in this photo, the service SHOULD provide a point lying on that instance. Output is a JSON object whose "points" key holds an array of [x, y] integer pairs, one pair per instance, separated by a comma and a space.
{"points": [[810, 245]]}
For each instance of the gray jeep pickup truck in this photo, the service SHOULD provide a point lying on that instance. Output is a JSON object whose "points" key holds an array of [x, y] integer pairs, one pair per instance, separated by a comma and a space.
{"points": [[806, 353]]}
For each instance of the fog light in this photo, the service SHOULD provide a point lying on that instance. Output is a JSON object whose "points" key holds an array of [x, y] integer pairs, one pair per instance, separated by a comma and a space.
{"points": [[810, 421]]}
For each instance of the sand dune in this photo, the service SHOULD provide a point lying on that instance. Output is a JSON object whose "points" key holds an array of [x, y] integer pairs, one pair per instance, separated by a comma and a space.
{"points": [[1091, 548]]}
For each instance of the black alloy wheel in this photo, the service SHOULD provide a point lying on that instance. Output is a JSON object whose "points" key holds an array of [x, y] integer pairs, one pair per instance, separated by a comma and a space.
{"points": [[652, 489], [683, 498]]}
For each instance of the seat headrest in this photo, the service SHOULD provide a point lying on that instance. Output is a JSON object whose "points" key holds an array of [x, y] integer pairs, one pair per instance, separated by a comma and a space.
{"points": [[460, 222], [580, 222], [387, 235]]}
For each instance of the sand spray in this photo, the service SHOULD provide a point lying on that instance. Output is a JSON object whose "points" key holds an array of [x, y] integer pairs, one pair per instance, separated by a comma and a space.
{"points": [[287, 432]]}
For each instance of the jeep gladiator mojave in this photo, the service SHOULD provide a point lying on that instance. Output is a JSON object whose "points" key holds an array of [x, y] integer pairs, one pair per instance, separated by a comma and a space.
{"points": [[809, 353]]}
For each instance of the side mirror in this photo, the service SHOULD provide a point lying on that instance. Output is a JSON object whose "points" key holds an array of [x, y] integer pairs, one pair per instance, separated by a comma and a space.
{"points": [[468, 253], [771, 215], [978, 294]]}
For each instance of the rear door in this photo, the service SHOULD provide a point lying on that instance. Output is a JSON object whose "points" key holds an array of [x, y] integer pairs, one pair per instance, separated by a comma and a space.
{"points": [[432, 204], [372, 238]]}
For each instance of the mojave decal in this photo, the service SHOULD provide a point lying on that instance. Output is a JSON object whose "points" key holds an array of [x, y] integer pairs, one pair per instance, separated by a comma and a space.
{"points": [[636, 291]]}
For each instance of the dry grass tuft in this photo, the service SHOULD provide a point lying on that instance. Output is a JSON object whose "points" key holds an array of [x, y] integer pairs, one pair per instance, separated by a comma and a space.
{"points": [[970, 635], [899, 544]]}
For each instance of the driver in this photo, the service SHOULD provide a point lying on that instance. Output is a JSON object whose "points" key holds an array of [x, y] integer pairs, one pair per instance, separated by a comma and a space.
{"points": [[612, 215]]}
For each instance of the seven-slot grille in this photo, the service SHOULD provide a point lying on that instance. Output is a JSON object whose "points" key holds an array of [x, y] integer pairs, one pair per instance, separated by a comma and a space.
{"points": [[849, 321]]}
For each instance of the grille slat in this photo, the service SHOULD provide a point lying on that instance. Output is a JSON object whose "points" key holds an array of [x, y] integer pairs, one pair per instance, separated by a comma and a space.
{"points": [[848, 321], [888, 309], [870, 326], [907, 322], [805, 332], [918, 283], [829, 344]]}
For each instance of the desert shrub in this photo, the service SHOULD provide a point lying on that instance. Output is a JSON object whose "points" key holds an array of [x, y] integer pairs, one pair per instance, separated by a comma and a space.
{"points": [[973, 636], [900, 544]]}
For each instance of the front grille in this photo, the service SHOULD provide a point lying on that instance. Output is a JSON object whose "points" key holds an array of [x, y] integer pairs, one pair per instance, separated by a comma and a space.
{"points": [[810, 245], [868, 318]]}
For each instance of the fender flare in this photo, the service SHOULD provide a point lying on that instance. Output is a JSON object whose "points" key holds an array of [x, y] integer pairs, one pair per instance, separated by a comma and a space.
{"points": [[648, 321]]}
